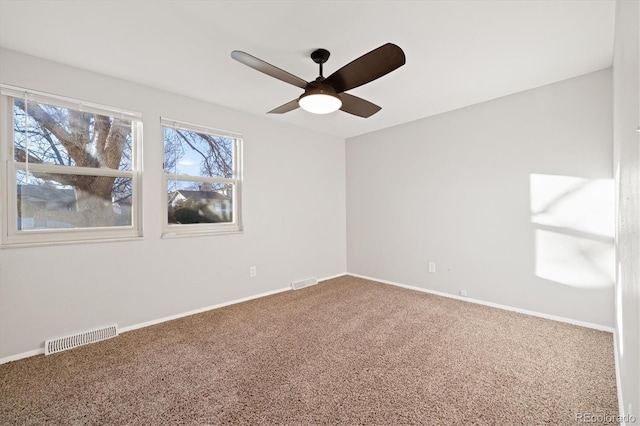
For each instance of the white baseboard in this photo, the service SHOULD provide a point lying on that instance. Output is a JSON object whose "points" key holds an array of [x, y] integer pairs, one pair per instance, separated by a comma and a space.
{"points": [[333, 276], [22, 355], [200, 310], [491, 304], [40, 351], [616, 358], [216, 306]]}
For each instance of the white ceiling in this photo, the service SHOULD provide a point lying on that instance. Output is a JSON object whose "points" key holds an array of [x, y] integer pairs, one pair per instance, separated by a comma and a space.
{"points": [[458, 52]]}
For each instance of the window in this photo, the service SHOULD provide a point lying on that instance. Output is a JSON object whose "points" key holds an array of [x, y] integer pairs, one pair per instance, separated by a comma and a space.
{"points": [[72, 169], [202, 169]]}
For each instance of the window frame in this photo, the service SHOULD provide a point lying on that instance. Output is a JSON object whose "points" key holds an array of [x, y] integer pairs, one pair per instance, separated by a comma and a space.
{"points": [[204, 229], [11, 235]]}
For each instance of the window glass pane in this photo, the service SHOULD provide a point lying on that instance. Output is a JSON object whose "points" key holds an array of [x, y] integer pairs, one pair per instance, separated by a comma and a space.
{"points": [[197, 154], [51, 201], [56, 135], [192, 202]]}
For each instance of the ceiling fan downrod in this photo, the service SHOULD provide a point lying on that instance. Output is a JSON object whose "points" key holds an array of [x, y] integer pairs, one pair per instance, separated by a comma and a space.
{"points": [[320, 56]]}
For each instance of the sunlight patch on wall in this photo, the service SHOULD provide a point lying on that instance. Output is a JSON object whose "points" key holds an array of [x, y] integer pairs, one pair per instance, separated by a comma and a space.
{"points": [[573, 220], [574, 261]]}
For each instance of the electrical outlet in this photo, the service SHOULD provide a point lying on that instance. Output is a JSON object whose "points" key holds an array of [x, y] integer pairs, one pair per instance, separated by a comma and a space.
{"points": [[432, 267], [252, 271], [463, 293]]}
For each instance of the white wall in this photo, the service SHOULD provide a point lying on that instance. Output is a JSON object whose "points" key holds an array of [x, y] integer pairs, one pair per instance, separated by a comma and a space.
{"points": [[626, 83], [463, 190], [293, 213]]}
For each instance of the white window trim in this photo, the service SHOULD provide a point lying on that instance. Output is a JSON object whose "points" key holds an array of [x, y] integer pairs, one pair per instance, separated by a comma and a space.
{"points": [[11, 236], [61, 101], [205, 229]]}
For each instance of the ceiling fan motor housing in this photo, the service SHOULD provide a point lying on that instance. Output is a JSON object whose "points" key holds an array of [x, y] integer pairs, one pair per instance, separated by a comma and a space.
{"points": [[318, 87]]}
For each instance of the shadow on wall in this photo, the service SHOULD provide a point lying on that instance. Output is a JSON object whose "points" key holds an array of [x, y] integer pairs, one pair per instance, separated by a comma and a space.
{"points": [[573, 221]]}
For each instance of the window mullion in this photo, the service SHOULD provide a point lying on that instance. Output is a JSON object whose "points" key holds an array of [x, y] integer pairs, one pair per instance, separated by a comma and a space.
{"points": [[204, 179], [72, 170]]}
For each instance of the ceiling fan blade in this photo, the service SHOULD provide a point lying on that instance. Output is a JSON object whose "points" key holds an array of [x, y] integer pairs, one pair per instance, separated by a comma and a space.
{"points": [[289, 106], [357, 106], [367, 67], [267, 68]]}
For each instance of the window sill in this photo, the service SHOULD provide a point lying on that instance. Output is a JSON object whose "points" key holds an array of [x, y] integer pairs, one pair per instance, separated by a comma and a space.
{"points": [[180, 233], [28, 244]]}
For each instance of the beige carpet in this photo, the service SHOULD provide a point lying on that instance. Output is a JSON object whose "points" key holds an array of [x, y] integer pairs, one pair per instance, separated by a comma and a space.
{"points": [[347, 351]]}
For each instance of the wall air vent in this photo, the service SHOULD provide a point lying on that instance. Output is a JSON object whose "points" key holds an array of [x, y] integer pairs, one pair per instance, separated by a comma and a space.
{"points": [[297, 285], [73, 341]]}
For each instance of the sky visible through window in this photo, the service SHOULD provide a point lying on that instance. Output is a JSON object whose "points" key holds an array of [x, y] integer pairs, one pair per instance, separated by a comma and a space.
{"points": [[197, 154]]}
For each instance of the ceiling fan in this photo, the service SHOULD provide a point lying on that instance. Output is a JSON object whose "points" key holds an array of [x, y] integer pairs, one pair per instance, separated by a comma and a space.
{"points": [[325, 95]]}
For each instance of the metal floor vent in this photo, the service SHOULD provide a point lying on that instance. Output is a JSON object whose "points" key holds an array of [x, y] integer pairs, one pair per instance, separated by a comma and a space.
{"points": [[73, 341], [297, 285]]}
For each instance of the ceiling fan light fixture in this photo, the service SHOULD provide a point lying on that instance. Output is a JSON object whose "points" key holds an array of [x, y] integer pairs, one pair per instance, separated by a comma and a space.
{"points": [[319, 102]]}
